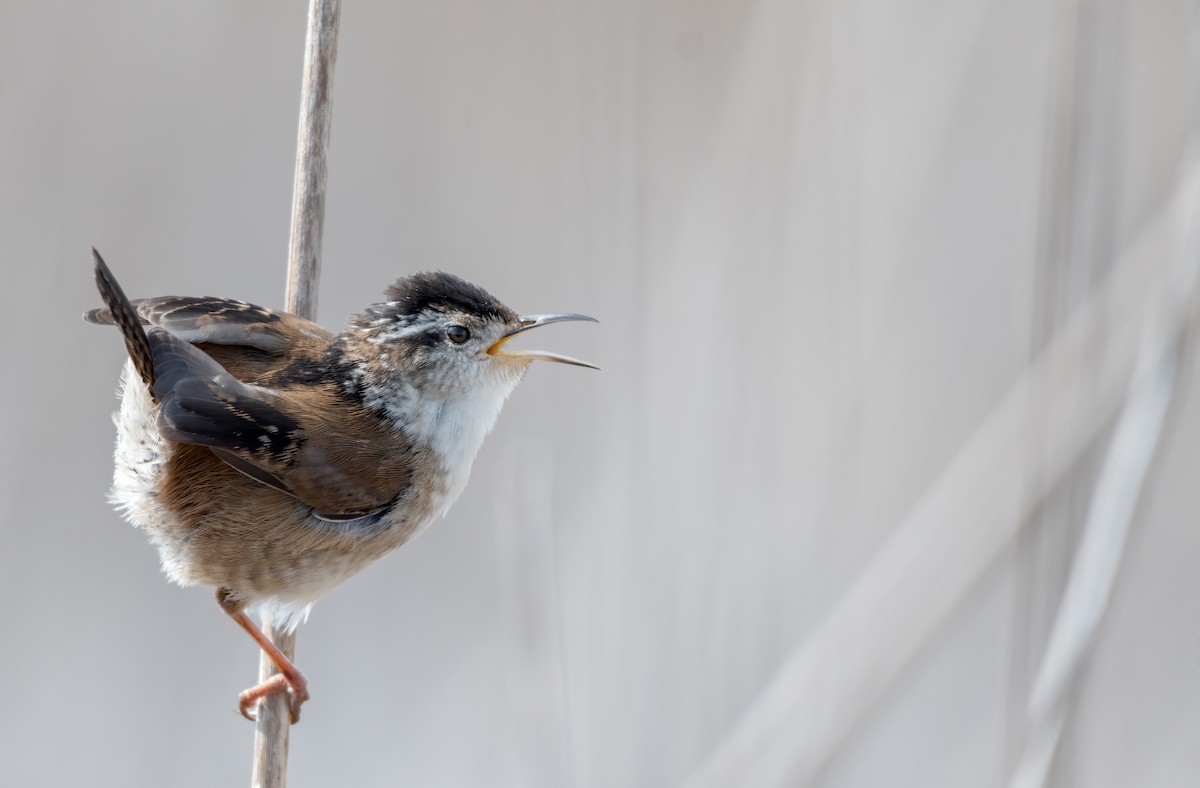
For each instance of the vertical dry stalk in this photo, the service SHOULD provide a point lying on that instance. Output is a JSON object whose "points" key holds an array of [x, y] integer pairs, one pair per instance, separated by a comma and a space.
{"points": [[274, 717], [312, 145], [304, 268]]}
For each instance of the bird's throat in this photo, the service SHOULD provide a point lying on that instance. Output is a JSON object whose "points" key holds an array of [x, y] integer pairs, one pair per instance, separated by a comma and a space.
{"points": [[449, 429]]}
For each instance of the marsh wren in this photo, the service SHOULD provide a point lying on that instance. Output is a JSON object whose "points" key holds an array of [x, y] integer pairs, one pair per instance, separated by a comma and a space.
{"points": [[272, 459]]}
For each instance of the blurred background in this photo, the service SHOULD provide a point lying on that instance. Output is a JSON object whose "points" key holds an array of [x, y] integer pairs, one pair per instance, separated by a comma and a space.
{"points": [[871, 491]]}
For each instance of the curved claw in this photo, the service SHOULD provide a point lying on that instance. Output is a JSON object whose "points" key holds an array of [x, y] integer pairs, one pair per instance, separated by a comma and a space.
{"points": [[296, 688]]}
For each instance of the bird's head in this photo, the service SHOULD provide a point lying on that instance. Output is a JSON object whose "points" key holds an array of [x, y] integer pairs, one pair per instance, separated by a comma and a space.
{"points": [[449, 337]]}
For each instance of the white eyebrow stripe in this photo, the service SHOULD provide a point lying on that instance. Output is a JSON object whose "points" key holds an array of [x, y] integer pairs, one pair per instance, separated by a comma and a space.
{"points": [[390, 330]]}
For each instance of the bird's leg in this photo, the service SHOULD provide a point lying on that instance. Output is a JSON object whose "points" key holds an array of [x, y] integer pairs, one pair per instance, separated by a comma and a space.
{"points": [[289, 679]]}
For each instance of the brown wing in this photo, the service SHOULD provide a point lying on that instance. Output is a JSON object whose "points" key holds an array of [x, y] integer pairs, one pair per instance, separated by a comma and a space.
{"points": [[305, 440], [220, 321], [252, 342], [348, 467], [310, 442]]}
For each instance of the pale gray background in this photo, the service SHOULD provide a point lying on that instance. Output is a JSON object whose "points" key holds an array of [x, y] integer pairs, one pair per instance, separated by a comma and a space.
{"points": [[815, 234]]}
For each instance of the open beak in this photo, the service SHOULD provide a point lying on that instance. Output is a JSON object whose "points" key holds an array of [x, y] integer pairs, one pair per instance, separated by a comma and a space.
{"points": [[526, 322]]}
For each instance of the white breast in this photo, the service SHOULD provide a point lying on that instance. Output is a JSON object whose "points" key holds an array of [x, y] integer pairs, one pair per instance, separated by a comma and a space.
{"points": [[453, 429]]}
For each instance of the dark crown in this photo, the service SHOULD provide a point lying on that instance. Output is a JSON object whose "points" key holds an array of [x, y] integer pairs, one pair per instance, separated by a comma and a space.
{"points": [[435, 291]]}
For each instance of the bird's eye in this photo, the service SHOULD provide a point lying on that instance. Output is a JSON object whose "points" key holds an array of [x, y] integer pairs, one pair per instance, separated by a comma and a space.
{"points": [[458, 334]]}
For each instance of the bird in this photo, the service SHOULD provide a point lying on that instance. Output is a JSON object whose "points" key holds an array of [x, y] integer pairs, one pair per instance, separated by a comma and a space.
{"points": [[272, 459]]}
